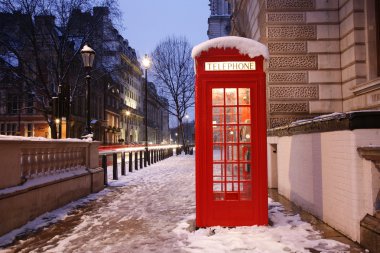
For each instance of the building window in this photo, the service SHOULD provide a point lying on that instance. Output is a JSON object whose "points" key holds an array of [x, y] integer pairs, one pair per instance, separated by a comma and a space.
{"points": [[10, 129], [30, 130], [2, 129]]}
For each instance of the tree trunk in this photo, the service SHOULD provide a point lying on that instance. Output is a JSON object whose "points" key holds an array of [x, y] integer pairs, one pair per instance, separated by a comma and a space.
{"points": [[182, 132]]}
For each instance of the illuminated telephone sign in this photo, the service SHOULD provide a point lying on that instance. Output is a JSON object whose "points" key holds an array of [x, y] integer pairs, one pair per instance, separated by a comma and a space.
{"points": [[230, 116], [230, 66]]}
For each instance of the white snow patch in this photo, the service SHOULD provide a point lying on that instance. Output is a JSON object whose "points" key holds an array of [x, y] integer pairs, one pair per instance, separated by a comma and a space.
{"points": [[246, 46], [48, 218], [288, 234], [22, 138]]}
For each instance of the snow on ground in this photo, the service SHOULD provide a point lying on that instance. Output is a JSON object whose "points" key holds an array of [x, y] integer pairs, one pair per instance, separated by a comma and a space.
{"points": [[153, 210]]}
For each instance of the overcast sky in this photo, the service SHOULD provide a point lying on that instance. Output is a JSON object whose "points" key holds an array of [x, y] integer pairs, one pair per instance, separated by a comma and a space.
{"points": [[147, 22]]}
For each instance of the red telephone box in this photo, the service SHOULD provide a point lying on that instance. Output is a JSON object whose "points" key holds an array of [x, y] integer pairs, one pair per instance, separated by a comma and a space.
{"points": [[230, 116]]}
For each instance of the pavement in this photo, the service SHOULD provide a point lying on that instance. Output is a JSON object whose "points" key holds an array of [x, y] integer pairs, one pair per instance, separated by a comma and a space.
{"points": [[327, 232], [140, 215]]}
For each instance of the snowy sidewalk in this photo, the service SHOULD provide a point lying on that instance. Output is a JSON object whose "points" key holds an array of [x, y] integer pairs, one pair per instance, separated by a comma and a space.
{"points": [[153, 210]]}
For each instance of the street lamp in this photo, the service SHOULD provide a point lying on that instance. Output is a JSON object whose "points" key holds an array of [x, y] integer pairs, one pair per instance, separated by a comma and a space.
{"points": [[88, 56], [127, 114], [58, 123], [146, 62], [187, 128]]}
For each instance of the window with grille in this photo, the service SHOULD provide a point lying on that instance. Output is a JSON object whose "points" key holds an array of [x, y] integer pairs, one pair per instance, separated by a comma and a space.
{"points": [[232, 144]]}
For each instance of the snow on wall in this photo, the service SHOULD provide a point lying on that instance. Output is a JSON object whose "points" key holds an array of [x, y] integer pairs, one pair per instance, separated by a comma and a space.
{"points": [[246, 46], [88, 138]]}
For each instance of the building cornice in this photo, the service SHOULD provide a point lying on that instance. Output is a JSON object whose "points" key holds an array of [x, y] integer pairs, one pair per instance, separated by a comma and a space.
{"points": [[367, 87]]}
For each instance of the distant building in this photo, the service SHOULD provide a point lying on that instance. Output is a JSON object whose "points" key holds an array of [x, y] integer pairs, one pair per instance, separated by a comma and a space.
{"points": [[117, 97], [158, 117], [324, 55], [219, 20]]}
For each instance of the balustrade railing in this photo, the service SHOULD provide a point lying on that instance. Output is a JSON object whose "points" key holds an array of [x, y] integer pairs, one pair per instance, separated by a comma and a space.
{"points": [[36, 162], [24, 159]]}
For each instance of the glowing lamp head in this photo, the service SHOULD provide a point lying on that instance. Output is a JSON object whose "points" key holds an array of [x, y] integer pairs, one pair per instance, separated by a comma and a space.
{"points": [[88, 56], [146, 62]]}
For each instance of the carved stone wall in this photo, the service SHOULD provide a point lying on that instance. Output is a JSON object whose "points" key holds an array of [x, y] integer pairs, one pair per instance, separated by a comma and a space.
{"points": [[292, 32], [300, 35], [292, 18], [293, 62], [289, 4], [287, 77], [287, 47], [281, 121], [293, 92], [288, 107]]}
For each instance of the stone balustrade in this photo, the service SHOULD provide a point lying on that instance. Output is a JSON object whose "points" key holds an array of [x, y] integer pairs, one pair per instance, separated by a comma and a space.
{"points": [[26, 159], [39, 175]]}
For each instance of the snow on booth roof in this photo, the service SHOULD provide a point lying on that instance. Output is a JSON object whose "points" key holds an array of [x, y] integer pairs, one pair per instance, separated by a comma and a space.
{"points": [[245, 46]]}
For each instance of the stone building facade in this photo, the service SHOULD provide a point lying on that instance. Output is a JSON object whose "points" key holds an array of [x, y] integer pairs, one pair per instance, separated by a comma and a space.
{"points": [[219, 20], [158, 117], [324, 55], [117, 99]]}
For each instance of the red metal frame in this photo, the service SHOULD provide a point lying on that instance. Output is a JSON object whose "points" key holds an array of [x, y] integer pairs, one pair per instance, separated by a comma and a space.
{"points": [[231, 191]]}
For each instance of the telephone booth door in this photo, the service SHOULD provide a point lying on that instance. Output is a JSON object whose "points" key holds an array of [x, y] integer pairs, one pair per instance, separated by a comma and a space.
{"points": [[231, 182]]}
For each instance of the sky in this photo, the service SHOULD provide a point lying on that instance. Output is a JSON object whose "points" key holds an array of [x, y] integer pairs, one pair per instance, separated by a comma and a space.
{"points": [[147, 22]]}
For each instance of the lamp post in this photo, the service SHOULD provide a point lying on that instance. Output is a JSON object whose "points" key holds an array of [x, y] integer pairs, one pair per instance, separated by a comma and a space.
{"points": [[146, 64], [186, 128], [58, 129], [88, 56], [127, 114]]}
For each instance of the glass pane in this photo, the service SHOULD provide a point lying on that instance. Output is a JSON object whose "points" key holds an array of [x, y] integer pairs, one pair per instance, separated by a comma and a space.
{"points": [[217, 97], [231, 153], [232, 172], [231, 115], [245, 171], [218, 154], [217, 132], [218, 195], [245, 191], [217, 187], [232, 187], [244, 115], [231, 134], [231, 98], [244, 96], [218, 172], [245, 133], [245, 152], [217, 115]]}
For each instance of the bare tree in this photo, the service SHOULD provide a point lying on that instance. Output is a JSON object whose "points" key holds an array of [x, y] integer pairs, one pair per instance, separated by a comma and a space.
{"points": [[174, 76], [43, 49]]}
